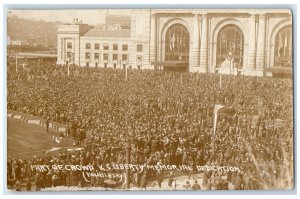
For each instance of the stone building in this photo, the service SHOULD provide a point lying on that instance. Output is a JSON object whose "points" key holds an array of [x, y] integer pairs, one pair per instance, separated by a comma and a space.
{"points": [[235, 41]]}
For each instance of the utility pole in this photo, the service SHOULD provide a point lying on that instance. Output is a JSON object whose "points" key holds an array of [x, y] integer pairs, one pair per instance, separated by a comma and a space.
{"points": [[68, 65], [181, 79], [220, 80], [127, 148], [16, 62], [126, 73]]}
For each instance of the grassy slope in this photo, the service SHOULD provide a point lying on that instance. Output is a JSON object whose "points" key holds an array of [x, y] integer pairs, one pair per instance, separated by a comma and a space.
{"points": [[26, 140]]}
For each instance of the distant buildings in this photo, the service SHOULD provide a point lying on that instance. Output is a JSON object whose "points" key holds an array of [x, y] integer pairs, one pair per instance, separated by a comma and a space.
{"points": [[31, 33], [16, 42], [235, 41]]}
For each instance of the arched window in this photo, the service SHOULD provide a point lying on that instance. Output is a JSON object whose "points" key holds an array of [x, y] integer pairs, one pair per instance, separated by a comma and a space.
{"points": [[177, 43], [230, 46], [283, 47]]}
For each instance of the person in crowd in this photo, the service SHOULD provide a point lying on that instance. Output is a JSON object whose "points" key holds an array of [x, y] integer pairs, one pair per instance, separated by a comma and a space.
{"points": [[47, 124], [143, 182], [187, 185], [28, 184], [171, 179], [18, 186], [159, 177], [196, 186]]}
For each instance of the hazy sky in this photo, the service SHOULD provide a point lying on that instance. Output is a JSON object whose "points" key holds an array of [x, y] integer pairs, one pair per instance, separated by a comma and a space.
{"points": [[87, 16]]}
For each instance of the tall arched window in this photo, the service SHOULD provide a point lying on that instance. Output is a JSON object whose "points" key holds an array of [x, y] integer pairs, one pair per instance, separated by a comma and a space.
{"points": [[230, 46], [283, 47], [177, 43]]}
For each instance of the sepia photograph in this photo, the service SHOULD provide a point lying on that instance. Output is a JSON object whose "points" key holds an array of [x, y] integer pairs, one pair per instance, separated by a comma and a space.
{"points": [[149, 99]]}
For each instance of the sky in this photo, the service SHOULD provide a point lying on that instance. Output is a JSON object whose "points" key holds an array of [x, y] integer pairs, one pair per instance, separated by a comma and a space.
{"points": [[89, 16]]}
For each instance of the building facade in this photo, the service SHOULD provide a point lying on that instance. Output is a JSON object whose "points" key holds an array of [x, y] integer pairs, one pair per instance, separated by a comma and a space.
{"points": [[244, 41]]}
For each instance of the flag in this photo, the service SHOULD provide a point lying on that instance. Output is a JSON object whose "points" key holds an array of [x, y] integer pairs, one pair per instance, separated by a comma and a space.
{"points": [[172, 43], [280, 45], [285, 44], [52, 149], [216, 110], [75, 149], [290, 45]]}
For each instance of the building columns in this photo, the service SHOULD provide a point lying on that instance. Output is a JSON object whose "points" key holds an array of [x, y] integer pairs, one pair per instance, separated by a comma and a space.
{"points": [[61, 49], [64, 50], [196, 42], [203, 50], [261, 41], [252, 39], [153, 39]]}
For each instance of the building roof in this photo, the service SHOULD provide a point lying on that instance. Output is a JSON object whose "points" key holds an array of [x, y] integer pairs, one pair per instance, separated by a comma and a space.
{"points": [[107, 33], [122, 20]]}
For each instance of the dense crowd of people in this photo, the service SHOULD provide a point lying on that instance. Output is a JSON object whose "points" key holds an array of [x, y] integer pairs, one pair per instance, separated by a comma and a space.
{"points": [[165, 118]]}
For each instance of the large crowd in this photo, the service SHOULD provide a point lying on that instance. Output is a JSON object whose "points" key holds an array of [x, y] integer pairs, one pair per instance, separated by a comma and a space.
{"points": [[165, 118]]}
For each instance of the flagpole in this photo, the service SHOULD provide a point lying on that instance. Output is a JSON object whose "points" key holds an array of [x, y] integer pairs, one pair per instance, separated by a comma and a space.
{"points": [[16, 62], [285, 44], [215, 117], [127, 172], [214, 135], [68, 69], [213, 148], [125, 72], [181, 79], [220, 80]]}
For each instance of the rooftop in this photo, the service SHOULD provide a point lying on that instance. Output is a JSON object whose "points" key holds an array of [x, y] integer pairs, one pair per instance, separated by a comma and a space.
{"points": [[123, 21], [95, 32]]}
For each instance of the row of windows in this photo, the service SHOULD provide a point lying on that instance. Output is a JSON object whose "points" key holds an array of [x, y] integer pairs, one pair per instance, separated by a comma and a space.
{"points": [[105, 56], [106, 46], [96, 46], [139, 47], [97, 56], [87, 64]]}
